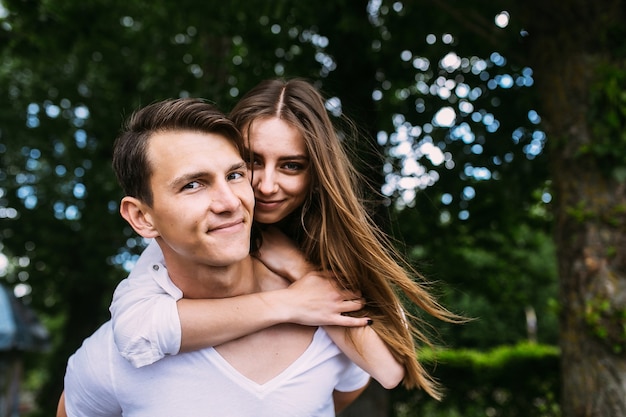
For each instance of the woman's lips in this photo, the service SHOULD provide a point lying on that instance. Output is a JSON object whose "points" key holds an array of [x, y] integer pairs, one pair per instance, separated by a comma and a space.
{"points": [[267, 205]]}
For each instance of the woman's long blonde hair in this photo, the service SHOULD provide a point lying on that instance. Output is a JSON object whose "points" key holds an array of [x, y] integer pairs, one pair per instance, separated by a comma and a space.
{"points": [[335, 231]]}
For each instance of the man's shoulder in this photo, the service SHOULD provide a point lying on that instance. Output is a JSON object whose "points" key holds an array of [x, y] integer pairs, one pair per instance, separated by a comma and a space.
{"points": [[101, 338]]}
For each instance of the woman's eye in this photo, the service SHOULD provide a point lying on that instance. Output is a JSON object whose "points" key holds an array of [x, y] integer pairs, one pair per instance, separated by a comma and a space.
{"points": [[293, 166]]}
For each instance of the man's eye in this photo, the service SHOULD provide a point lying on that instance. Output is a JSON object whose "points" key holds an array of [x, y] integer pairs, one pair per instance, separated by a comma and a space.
{"points": [[192, 185], [236, 175]]}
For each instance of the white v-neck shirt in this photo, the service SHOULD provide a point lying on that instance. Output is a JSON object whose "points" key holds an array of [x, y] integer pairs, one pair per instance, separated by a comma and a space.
{"points": [[99, 382]]}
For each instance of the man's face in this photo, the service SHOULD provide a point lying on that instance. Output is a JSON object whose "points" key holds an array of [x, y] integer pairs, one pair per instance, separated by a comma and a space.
{"points": [[203, 201]]}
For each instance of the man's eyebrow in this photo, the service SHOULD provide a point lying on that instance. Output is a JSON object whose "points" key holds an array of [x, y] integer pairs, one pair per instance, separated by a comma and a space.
{"points": [[192, 176], [188, 177], [238, 165]]}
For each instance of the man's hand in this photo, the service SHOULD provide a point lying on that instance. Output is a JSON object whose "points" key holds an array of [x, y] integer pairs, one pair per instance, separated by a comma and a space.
{"points": [[315, 300]]}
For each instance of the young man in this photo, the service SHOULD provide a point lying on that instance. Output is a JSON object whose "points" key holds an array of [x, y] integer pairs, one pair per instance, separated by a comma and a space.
{"points": [[186, 184]]}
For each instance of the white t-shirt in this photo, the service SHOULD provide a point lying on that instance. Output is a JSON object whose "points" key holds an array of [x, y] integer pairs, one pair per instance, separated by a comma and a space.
{"points": [[99, 382], [143, 312]]}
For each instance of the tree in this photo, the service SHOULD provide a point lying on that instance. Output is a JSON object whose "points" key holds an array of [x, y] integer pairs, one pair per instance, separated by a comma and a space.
{"points": [[577, 51], [576, 54]]}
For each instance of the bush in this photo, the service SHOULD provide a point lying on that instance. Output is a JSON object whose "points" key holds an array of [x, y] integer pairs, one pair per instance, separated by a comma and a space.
{"points": [[509, 381]]}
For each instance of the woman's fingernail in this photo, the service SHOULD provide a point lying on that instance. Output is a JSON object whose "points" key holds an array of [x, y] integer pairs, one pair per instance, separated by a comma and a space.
{"points": [[370, 322]]}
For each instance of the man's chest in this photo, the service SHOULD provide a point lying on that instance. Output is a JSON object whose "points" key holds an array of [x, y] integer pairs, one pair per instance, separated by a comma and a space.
{"points": [[261, 356]]}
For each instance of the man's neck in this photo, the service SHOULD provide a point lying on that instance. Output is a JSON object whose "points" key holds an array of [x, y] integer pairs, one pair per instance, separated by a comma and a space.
{"points": [[198, 280]]}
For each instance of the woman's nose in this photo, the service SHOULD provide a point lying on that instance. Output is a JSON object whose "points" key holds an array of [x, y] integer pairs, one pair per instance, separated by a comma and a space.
{"points": [[266, 181]]}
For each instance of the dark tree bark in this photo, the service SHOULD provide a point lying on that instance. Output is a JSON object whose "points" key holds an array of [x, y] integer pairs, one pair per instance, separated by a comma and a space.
{"points": [[570, 46]]}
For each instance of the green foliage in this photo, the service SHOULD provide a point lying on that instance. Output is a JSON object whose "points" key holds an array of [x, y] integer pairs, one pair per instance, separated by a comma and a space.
{"points": [[607, 322], [494, 272], [507, 381], [607, 118]]}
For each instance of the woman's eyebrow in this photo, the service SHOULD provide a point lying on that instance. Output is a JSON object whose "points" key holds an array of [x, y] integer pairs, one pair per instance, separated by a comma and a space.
{"points": [[292, 157], [298, 157]]}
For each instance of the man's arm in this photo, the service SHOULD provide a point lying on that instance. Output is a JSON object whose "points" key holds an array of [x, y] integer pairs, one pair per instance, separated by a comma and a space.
{"points": [[344, 399], [61, 407]]}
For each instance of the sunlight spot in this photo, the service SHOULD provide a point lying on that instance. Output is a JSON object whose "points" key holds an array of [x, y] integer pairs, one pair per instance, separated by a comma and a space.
{"points": [[21, 290], [445, 117], [462, 90], [382, 137], [82, 112], [502, 19], [469, 193], [333, 105], [406, 55], [4, 263], [451, 62], [52, 111], [534, 117], [421, 63], [432, 152]]}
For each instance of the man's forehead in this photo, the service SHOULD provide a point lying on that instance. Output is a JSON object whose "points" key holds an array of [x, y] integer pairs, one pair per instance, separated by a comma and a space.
{"points": [[173, 152], [171, 142]]}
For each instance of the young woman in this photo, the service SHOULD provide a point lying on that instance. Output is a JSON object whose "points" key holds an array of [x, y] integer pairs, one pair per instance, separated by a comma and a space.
{"points": [[307, 189]]}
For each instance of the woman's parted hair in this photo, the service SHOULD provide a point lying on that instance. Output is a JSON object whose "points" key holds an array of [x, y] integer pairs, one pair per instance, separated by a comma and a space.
{"points": [[338, 234], [130, 159]]}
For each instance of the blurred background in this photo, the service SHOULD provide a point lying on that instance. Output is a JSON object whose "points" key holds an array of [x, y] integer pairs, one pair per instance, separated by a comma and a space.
{"points": [[494, 131]]}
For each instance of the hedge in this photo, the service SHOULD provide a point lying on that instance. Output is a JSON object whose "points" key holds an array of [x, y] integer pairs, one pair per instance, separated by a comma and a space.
{"points": [[508, 381]]}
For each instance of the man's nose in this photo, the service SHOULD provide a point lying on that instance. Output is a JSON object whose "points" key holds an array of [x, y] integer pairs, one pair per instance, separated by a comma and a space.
{"points": [[224, 199]]}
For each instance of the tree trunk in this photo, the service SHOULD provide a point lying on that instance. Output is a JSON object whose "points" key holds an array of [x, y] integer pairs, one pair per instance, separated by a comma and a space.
{"points": [[568, 48]]}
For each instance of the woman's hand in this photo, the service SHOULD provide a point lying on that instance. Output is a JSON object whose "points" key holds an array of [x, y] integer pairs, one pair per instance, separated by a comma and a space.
{"points": [[316, 300]]}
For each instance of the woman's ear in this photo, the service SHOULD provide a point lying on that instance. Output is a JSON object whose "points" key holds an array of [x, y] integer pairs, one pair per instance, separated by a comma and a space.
{"points": [[138, 215]]}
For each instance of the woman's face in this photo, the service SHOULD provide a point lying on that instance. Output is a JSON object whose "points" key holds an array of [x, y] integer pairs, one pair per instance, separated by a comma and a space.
{"points": [[281, 171]]}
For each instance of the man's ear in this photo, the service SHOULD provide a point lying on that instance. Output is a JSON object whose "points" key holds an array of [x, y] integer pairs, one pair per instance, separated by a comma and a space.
{"points": [[138, 215]]}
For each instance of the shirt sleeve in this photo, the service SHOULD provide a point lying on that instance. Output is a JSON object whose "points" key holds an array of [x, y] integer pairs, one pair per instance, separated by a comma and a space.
{"points": [[89, 388], [145, 321], [352, 378]]}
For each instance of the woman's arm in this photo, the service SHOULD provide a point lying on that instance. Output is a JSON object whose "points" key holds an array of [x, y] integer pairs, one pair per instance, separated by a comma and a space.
{"points": [[311, 301], [368, 351], [151, 319]]}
